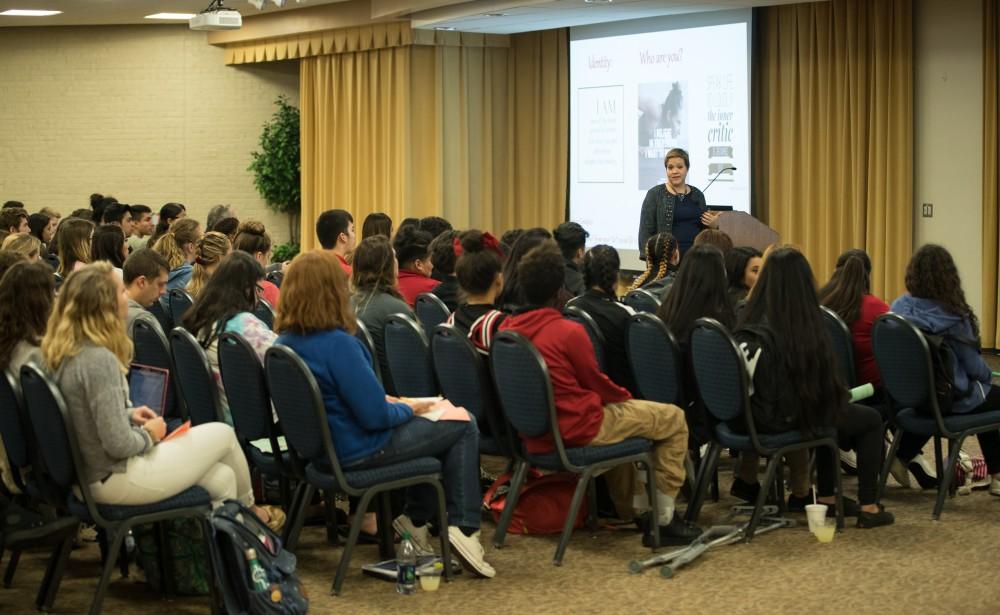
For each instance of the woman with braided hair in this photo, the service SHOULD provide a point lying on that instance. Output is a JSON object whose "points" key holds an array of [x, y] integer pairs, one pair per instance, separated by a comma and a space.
{"points": [[662, 258], [209, 252]]}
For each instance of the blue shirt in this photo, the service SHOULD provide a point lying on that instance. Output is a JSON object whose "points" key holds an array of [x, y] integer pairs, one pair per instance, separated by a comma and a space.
{"points": [[361, 420], [687, 222]]}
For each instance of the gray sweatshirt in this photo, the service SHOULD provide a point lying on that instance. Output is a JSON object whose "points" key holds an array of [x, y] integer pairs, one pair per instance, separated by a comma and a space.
{"points": [[96, 394], [374, 309]]}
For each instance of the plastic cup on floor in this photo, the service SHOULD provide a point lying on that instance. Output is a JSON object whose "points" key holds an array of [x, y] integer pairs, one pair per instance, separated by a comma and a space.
{"points": [[826, 531], [816, 515]]}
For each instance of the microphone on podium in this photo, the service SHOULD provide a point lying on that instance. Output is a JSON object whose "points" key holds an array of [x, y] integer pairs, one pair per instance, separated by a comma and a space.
{"points": [[721, 171]]}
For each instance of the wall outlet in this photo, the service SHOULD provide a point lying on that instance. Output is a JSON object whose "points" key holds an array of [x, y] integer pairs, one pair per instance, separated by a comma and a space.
{"points": [[928, 210]]}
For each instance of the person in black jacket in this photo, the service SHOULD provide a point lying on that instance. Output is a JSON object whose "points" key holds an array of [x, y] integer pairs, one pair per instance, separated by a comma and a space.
{"points": [[443, 258], [572, 240], [791, 363]]}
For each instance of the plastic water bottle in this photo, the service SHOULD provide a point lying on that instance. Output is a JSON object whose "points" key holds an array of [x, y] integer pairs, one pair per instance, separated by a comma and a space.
{"points": [[406, 566], [258, 577]]}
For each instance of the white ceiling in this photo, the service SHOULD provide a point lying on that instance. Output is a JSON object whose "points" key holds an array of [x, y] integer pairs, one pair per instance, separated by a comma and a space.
{"points": [[493, 16]]}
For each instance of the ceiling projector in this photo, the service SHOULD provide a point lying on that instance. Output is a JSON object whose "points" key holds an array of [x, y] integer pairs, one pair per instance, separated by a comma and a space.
{"points": [[216, 17]]}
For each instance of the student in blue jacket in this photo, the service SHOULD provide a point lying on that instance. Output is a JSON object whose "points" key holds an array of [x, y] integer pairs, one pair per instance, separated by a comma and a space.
{"points": [[369, 428], [936, 304]]}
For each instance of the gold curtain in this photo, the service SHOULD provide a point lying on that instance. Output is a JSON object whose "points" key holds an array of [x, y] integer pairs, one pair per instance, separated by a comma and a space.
{"points": [[833, 122], [990, 321], [466, 129]]}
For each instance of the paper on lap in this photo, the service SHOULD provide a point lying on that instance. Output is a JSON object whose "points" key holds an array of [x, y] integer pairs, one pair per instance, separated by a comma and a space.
{"points": [[442, 410]]}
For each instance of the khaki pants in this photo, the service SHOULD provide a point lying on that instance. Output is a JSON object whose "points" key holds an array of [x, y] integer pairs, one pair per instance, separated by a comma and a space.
{"points": [[665, 425]]}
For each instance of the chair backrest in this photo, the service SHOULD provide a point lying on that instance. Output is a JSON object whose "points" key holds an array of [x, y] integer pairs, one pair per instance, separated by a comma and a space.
{"points": [[366, 338], [409, 357], [300, 408], [460, 369], [655, 359], [843, 345], [431, 312], [246, 389], [275, 277], [12, 427], [523, 385], [194, 378], [642, 301], [152, 348], [180, 301], [265, 312], [162, 316], [719, 370], [576, 314], [904, 361]]}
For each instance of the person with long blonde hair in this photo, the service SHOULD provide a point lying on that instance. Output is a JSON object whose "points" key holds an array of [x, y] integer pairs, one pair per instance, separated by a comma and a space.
{"points": [[178, 246], [209, 252], [27, 245], [124, 457], [73, 239]]}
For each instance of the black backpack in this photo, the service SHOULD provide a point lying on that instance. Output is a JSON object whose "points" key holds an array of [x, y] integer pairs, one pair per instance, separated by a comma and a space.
{"points": [[943, 364], [235, 529]]}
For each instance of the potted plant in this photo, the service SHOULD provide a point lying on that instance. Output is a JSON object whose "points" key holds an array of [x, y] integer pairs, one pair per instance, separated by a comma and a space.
{"points": [[276, 169]]}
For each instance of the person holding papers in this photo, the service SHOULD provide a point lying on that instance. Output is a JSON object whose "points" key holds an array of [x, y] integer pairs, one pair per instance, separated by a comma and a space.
{"points": [[675, 207], [369, 428]]}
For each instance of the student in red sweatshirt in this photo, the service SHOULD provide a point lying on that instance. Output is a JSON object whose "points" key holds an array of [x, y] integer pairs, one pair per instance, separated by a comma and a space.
{"points": [[591, 409], [413, 253]]}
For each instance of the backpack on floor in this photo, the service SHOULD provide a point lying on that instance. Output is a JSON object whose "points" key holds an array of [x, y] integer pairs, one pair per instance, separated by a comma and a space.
{"points": [[187, 553], [235, 529], [542, 505]]}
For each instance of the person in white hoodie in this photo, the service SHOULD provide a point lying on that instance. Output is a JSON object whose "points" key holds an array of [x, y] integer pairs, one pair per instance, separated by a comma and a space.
{"points": [[936, 304]]}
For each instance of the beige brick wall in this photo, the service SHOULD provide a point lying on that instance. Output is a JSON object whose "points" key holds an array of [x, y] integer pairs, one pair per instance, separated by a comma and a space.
{"points": [[149, 114]]}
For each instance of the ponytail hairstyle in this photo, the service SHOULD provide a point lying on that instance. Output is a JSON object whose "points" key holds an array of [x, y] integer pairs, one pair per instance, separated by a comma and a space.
{"points": [[512, 294], [232, 290], [171, 245], [600, 268], [479, 261], [168, 213], [374, 267], [251, 237], [442, 251], [660, 249], [108, 245], [411, 244], [851, 281], [209, 252], [932, 274], [73, 240]]}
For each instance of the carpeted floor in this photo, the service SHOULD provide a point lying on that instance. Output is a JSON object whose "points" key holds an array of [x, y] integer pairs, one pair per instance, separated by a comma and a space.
{"points": [[915, 566]]}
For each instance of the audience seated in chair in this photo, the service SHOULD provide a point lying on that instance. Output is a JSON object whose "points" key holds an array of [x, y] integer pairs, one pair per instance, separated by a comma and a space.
{"points": [[662, 258], [572, 240], [790, 358], [25, 244], [591, 409], [415, 266], [714, 237], [169, 213], [109, 244], [935, 303], [145, 277], [742, 268], [478, 269], [73, 239], [177, 245], [124, 455], [433, 226], [209, 252], [142, 227], [377, 223], [254, 240], [511, 296], [369, 428], [443, 258], [226, 305], [335, 231]]}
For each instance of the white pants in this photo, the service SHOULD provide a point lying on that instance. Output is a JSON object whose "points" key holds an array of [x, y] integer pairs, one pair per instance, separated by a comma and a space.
{"points": [[207, 455]]}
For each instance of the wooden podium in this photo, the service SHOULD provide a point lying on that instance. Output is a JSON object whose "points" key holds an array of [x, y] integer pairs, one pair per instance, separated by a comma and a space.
{"points": [[745, 230]]}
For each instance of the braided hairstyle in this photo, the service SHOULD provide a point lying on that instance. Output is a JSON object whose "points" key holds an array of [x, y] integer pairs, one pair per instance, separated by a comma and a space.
{"points": [[600, 269], [660, 249]]}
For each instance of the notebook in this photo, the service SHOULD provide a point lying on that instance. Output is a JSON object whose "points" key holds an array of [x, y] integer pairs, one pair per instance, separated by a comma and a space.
{"points": [[147, 386]]}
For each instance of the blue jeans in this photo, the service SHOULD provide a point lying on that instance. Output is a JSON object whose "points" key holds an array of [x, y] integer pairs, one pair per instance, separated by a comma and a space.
{"points": [[456, 445]]}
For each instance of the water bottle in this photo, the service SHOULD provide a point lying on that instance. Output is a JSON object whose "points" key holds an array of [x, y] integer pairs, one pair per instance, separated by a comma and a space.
{"points": [[258, 577], [406, 566]]}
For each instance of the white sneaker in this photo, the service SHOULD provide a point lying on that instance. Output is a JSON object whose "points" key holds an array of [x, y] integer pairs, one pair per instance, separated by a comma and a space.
{"points": [[900, 473], [419, 536], [995, 485], [470, 551]]}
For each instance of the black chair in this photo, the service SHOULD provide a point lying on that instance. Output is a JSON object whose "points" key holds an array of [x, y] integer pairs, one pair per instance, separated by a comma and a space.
{"points": [[250, 407], [843, 345], [409, 357], [642, 301], [366, 339], [577, 314], [300, 407], [180, 302], [431, 312], [162, 316], [53, 427], [465, 382], [904, 360], [194, 378], [655, 359], [152, 348], [723, 383], [265, 312], [525, 392], [60, 532]]}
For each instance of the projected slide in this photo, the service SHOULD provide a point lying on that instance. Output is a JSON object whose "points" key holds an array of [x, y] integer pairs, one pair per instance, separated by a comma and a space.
{"points": [[633, 97]]}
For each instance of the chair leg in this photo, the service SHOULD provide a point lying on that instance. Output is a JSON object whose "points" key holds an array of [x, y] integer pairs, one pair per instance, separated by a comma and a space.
{"points": [[443, 524], [293, 526], [8, 575], [114, 548], [654, 504], [592, 506], [938, 458], [386, 537], [216, 577], [838, 485], [54, 573], [709, 465], [330, 517], [945, 478], [887, 462], [516, 482], [163, 558], [123, 559], [574, 507], [352, 539], [758, 507]]}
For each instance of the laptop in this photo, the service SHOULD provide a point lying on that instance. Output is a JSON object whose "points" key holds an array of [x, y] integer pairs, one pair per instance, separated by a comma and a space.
{"points": [[147, 386]]}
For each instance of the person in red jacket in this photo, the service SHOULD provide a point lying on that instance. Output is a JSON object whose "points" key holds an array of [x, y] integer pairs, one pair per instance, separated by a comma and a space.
{"points": [[590, 408], [413, 253]]}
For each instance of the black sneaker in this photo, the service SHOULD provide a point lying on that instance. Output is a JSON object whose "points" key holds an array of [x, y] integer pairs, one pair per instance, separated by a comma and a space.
{"points": [[678, 533], [798, 504], [851, 508], [923, 471], [867, 520], [744, 491]]}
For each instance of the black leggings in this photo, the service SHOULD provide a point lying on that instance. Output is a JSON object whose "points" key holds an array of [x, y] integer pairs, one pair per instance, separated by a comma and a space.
{"points": [[859, 428], [989, 441]]}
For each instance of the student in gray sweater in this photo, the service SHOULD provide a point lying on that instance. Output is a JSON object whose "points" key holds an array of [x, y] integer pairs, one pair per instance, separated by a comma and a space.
{"points": [[125, 458]]}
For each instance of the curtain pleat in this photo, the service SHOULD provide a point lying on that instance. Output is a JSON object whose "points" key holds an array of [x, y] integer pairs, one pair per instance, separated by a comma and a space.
{"points": [[990, 319], [833, 117]]}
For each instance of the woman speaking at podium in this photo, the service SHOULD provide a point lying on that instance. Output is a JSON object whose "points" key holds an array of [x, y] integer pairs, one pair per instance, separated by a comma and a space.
{"points": [[675, 207]]}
